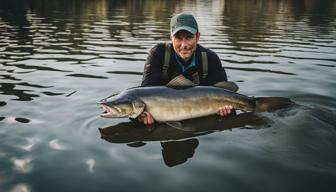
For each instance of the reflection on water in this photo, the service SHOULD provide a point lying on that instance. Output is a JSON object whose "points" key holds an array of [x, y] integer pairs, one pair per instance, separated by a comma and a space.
{"points": [[9, 89], [177, 152], [129, 132], [58, 58], [174, 152]]}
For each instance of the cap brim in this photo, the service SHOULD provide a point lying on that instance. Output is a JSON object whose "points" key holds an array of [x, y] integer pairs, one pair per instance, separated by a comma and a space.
{"points": [[186, 28]]}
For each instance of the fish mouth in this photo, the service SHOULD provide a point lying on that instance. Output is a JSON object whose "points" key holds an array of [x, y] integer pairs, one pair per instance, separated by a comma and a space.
{"points": [[108, 111]]}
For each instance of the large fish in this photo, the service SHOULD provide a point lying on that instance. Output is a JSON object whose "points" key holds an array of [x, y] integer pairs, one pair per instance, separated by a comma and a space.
{"points": [[181, 100]]}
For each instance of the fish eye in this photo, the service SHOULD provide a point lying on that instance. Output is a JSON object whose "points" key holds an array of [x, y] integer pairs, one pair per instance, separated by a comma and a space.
{"points": [[129, 98]]}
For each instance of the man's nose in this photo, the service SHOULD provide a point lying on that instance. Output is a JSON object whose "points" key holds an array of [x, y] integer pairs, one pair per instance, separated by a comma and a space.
{"points": [[183, 43]]}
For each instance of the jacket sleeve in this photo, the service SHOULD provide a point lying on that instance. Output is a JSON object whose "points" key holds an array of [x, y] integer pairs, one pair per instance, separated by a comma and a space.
{"points": [[216, 72], [153, 66]]}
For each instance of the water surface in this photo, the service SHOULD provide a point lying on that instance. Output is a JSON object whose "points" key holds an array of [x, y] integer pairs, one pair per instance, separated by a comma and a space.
{"points": [[57, 59]]}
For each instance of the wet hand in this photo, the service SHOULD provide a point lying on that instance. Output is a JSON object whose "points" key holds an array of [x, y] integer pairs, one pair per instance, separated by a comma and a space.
{"points": [[225, 110], [146, 118]]}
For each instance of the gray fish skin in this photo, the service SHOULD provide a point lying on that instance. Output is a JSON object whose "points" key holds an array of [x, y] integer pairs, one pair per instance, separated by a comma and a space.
{"points": [[174, 104]]}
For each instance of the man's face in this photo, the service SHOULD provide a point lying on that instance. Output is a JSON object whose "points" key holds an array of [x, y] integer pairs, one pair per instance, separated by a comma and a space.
{"points": [[184, 44]]}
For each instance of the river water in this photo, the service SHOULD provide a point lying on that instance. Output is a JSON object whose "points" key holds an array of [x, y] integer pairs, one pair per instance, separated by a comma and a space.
{"points": [[58, 58]]}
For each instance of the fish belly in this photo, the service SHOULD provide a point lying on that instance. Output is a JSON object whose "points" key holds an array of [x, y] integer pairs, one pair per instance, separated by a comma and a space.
{"points": [[180, 109]]}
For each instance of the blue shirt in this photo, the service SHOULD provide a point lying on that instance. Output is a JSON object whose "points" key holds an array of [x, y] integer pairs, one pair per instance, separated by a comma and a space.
{"points": [[183, 69]]}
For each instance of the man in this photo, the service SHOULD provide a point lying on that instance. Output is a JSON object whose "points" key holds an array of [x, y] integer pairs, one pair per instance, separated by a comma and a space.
{"points": [[182, 56]]}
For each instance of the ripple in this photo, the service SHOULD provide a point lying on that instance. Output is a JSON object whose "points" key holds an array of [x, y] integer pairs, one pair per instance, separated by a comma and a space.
{"points": [[15, 53], [325, 65], [125, 72], [9, 89], [6, 60], [87, 76], [123, 57], [22, 165], [249, 62], [52, 93], [259, 70], [61, 56], [40, 68], [10, 77], [22, 120], [33, 85], [31, 142], [68, 95], [2, 103], [91, 164], [56, 145], [22, 187], [307, 58], [51, 51]]}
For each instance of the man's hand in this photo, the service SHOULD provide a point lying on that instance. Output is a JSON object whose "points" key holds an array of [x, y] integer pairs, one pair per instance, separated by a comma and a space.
{"points": [[225, 110], [146, 118]]}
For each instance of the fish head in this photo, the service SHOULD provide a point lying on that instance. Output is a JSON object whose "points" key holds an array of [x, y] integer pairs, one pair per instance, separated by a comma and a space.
{"points": [[121, 106], [116, 110]]}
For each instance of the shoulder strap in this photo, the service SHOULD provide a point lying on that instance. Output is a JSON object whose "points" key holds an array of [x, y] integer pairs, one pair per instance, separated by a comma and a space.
{"points": [[204, 64], [165, 65], [166, 61], [196, 79]]}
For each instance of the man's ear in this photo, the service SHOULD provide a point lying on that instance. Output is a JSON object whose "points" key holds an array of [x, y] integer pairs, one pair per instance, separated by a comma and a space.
{"points": [[198, 35]]}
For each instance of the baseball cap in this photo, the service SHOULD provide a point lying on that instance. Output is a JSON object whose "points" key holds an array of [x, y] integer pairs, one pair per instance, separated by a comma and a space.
{"points": [[183, 21]]}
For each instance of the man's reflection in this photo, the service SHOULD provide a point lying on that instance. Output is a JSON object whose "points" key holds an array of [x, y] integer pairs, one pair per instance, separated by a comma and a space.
{"points": [[178, 152]]}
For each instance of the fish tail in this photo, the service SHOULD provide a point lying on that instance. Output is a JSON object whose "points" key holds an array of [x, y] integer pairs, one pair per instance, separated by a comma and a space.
{"points": [[272, 103]]}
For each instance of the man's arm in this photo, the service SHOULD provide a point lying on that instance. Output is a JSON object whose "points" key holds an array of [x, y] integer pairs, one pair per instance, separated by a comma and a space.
{"points": [[152, 76], [153, 66], [216, 72]]}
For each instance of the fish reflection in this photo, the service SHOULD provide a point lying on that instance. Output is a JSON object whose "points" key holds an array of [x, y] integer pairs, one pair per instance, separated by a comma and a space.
{"points": [[178, 145]]}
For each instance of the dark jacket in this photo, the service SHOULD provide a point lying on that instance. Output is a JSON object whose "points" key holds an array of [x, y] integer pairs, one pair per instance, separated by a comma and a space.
{"points": [[153, 67]]}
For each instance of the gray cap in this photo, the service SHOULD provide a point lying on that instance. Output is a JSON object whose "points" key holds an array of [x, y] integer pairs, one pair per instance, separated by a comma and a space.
{"points": [[183, 21]]}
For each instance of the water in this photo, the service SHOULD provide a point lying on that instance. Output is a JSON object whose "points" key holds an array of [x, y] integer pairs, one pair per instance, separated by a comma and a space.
{"points": [[57, 59]]}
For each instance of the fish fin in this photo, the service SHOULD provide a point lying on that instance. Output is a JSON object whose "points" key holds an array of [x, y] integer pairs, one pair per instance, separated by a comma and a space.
{"points": [[272, 103], [180, 81], [178, 125], [229, 85], [138, 108]]}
